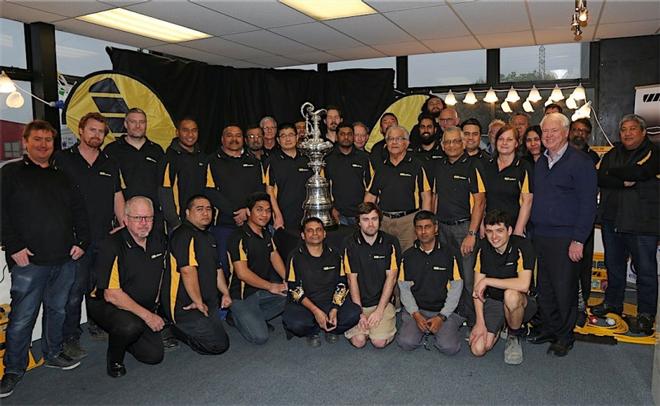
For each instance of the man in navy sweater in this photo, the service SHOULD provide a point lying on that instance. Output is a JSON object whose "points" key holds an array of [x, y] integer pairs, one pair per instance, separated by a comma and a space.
{"points": [[563, 214]]}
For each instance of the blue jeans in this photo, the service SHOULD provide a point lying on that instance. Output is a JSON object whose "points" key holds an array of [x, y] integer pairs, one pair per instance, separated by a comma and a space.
{"points": [[81, 287], [30, 286], [222, 234], [251, 314], [642, 249]]}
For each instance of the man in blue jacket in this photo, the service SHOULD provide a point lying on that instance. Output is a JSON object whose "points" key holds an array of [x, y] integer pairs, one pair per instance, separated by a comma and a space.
{"points": [[563, 214]]}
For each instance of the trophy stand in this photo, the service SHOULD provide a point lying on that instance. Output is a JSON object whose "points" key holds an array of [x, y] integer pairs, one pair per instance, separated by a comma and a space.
{"points": [[318, 202]]}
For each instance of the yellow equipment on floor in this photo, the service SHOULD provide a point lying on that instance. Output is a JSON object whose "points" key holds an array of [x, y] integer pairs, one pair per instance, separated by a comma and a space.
{"points": [[4, 320]]}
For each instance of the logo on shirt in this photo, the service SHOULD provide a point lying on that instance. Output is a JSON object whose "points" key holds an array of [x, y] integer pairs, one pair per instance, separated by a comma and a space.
{"points": [[105, 174], [405, 174], [356, 165], [509, 263], [303, 169], [150, 159], [157, 255], [200, 163], [459, 177], [438, 268], [379, 256], [328, 268], [510, 179], [248, 165]]}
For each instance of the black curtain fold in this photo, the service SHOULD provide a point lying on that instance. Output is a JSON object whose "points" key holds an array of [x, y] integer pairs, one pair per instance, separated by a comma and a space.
{"points": [[218, 95]]}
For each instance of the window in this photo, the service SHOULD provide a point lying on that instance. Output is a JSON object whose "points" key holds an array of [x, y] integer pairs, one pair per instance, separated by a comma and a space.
{"points": [[375, 63], [12, 123], [544, 62], [80, 56], [12, 44], [447, 69], [303, 67]]}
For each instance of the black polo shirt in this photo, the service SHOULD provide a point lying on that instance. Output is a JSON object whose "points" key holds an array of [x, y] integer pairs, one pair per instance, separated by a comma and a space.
{"points": [[288, 176], [592, 154], [138, 167], [400, 187], [430, 273], [348, 174], [230, 180], [97, 183], [191, 246], [370, 263], [318, 276], [482, 156], [246, 245], [455, 183], [517, 257], [182, 175], [379, 153], [505, 187], [123, 264], [430, 157]]}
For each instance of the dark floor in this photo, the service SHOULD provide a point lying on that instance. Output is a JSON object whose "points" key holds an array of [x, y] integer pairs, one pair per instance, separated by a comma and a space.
{"points": [[288, 372]]}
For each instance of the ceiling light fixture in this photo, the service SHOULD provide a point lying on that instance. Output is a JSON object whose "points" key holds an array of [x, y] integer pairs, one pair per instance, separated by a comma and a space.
{"points": [[571, 103], [512, 96], [136, 23], [491, 97], [534, 95], [470, 98], [556, 94], [329, 10], [579, 19], [527, 106], [505, 107], [450, 99], [6, 84], [579, 93]]}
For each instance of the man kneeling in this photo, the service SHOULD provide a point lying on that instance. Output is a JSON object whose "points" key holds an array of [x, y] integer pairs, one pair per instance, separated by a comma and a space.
{"points": [[502, 277], [128, 272], [317, 289], [431, 287]]}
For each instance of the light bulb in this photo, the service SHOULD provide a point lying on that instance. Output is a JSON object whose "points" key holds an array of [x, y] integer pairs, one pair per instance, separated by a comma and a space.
{"points": [[527, 106], [579, 93], [470, 98], [15, 100], [534, 95], [556, 94], [491, 97], [571, 104], [450, 99], [548, 102], [584, 111], [6, 84], [512, 96], [583, 16], [505, 107]]}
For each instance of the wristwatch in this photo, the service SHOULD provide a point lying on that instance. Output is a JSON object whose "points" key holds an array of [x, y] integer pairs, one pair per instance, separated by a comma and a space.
{"points": [[474, 233], [442, 317]]}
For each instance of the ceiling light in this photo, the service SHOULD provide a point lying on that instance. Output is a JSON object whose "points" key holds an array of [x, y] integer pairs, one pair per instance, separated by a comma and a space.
{"points": [[579, 93], [450, 99], [512, 96], [6, 84], [534, 95], [527, 106], [584, 111], [129, 21], [506, 108], [470, 98], [328, 10], [15, 100], [491, 97], [571, 104], [556, 94], [548, 102]]}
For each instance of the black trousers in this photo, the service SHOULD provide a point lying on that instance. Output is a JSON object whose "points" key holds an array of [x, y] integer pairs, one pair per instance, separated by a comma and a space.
{"points": [[585, 265], [126, 332], [557, 287], [205, 335], [301, 322]]}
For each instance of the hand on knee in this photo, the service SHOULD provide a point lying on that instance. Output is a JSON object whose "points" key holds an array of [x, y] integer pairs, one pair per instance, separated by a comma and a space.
{"points": [[513, 299]]}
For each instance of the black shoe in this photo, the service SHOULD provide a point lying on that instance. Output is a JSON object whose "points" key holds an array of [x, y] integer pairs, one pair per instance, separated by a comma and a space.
{"points": [[603, 309], [63, 362], [542, 338], [116, 369], [581, 318], [314, 340], [560, 349], [170, 343], [645, 323], [331, 338], [9, 382]]}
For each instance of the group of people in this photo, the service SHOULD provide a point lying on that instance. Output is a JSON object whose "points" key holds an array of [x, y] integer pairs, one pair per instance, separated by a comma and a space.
{"points": [[165, 245]]}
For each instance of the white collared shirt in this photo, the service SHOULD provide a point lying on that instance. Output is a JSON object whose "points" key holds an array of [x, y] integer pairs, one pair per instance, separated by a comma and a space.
{"points": [[552, 162]]}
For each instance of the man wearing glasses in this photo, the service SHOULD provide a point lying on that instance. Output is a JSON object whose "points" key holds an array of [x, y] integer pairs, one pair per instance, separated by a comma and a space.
{"points": [[269, 127]]}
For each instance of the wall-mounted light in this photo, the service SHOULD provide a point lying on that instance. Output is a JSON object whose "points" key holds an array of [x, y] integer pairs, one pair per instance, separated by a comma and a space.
{"points": [[556, 94], [527, 106], [490, 97], [505, 107], [512, 96], [534, 95], [450, 99], [470, 98], [6, 84]]}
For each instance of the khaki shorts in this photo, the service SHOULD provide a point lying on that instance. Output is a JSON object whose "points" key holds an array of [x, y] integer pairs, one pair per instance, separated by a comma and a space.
{"points": [[385, 330]]}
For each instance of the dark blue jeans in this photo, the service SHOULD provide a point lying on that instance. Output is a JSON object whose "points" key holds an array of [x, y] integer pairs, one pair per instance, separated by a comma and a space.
{"points": [[31, 286], [251, 314], [642, 249], [222, 234], [81, 287]]}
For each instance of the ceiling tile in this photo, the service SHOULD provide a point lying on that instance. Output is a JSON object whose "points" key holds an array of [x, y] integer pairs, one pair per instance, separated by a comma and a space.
{"points": [[193, 16], [68, 8], [404, 48], [268, 41], [96, 31], [317, 35], [193, 54], [453, 44], [246, 64], [557, 13], [262, 13], [626, 11], [122, 3], [506, 39], [371, 29], [627, 30], [315, 57], [24, 14], [493, 16], [393, 5], [273, 61], [561, 35], [429, 23], [226, 48], [348, 54]]}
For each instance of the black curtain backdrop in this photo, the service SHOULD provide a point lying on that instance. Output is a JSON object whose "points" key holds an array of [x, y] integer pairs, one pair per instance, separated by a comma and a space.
{"points": [[218, 95]]}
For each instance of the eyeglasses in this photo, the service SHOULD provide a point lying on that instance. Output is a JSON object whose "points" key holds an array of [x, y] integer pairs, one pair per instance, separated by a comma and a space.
{"points": [[141, 219], [457, 141], [288, 135], [396, 139], [445, 119]]}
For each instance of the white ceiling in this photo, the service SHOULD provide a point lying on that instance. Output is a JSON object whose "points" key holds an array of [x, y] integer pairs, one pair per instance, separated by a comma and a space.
{"points": [[266, 33]]}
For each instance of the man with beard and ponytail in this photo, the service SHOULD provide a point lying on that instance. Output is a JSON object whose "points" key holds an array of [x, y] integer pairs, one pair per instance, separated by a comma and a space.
{"points": [[432, 107], [429, 148], [579, 138]]}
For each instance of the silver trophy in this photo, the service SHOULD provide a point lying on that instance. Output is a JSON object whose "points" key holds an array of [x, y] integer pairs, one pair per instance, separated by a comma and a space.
{"points": [[318, 202]]}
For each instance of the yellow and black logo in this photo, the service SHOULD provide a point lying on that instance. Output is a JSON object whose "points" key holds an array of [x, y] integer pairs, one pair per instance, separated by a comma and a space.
{"points": [[112, 94]]}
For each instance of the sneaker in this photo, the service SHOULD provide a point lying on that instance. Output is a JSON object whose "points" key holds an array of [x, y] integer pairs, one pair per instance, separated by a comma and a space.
{"points": [[603, 309], [170, 343], [513, 353], [331, 338], [73, 350], [314, 340], [9, 382], [63, 362], [645, 323]]}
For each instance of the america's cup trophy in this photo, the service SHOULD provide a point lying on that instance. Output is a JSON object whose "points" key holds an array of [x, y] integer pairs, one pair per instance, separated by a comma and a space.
{"points": [[318, 202]]}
